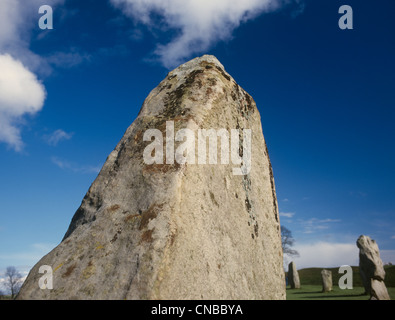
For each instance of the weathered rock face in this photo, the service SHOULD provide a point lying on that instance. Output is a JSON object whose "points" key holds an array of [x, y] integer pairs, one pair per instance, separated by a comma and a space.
{"points": [[174, 230], [371, 268], [326, 276], [293, 276], [378, 290]]}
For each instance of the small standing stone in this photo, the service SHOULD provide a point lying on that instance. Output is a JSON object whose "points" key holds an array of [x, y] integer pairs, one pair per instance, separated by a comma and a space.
{"points": [[293, 276], [326, 280]]}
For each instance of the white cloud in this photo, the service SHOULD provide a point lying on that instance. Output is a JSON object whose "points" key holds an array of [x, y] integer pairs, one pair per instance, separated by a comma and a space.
{"points": [[11, 19], [323, 254], [67, 59], [21, 93], [29, 257], [67, 165], [55, 137], [17, 19], [326, 255], [23, 260], [287, 214], [62, 164], [313, 225], [198, 23], [387, 256]]}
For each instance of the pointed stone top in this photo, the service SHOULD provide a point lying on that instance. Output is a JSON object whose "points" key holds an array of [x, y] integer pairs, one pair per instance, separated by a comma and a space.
{"points": [[198, 61], [201, 79], [365, 241]]}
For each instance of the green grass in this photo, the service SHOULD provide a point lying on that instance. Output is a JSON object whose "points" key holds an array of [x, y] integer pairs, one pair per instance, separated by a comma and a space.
{"points": [[313, 276], [314, 292], [311, 287]]}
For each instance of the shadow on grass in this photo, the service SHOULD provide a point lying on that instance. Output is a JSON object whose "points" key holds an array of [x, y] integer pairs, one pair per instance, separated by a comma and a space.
{"points": [[301, 291], [316, 293], [306, 292], [335, 296]]}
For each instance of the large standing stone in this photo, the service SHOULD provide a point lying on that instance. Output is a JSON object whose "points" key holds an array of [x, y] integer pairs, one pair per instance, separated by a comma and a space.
{"points": [[327, 284], [371, 268], [293, 276], [170, 229]]}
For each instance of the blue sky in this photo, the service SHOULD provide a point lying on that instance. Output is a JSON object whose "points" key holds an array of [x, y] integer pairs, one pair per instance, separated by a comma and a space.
{"points": [[326, 97]]}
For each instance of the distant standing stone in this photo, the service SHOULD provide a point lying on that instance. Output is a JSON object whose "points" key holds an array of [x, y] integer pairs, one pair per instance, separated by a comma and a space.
{"points": [[293, 276], [326, 276], [371, 269]]}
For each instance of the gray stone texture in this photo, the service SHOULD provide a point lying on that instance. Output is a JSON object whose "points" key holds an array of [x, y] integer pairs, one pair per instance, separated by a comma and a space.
{"points": [[371, 269], [293, 276], [175, 231], [326, 276]]}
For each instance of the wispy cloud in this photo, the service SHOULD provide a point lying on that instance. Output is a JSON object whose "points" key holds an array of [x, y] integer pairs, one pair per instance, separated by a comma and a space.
{"points": [[17, 19], [358, 194], [68, 59], [299, 9], [196, 25], [32, 254], [67, 165], [314, 225], [55, 137], [287, 214]]}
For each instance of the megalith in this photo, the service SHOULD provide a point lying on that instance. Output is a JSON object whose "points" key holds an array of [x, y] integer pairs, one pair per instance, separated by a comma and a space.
{"points": [[184, 207], [326, 276], [293, 276], [371, 269]]}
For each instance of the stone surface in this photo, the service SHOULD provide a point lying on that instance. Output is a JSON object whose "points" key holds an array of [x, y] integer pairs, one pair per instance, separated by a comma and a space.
{"points": [[175, 231], [326, 276], [379, 290], [371, 268], [293, 276]]}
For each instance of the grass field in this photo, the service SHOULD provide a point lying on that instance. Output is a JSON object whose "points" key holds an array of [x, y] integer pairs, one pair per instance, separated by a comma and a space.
{"points": [[314, 292], [311, 287]]}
